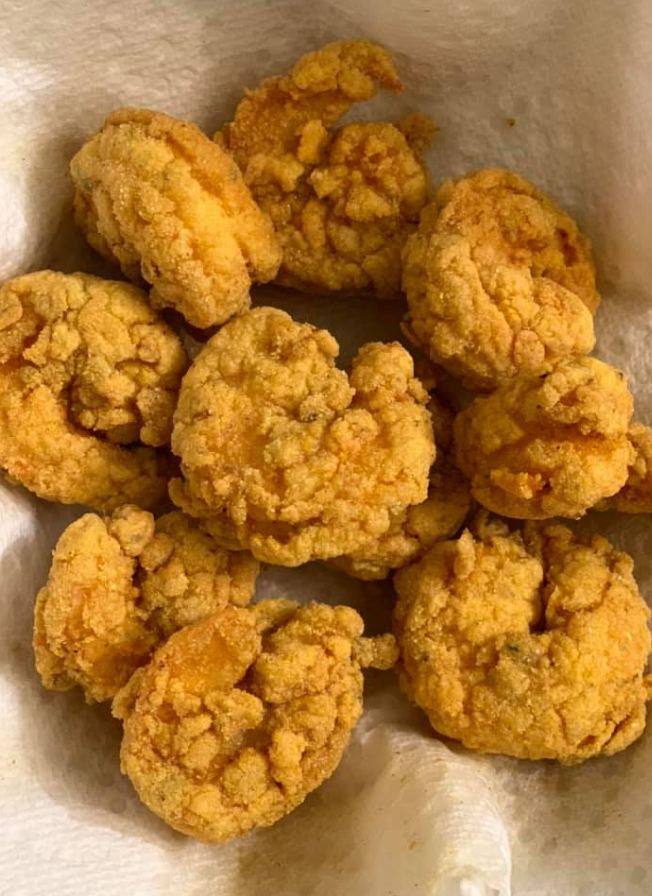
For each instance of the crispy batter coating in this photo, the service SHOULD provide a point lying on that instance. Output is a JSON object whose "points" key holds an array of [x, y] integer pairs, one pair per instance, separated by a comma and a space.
{"points": [[288, 456], [158, 197], [531, 644], [85, 366], [636, 494], [342, 201], [414, 530], [121, 585], [499, 281], [548, 446], [239, 717]]}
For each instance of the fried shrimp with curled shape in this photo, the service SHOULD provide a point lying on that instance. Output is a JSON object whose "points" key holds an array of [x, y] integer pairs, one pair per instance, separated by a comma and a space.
{"points": [[239, 717], [120, 586], [342, 201], [85, 367], [417, 528], [499, 281], [636, 494], [158, 197], [286, 455], [548, 446], [530, 644]]}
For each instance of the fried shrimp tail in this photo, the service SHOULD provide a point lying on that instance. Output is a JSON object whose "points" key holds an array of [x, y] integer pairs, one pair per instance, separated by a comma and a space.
{"points": [[239, 717], [155, 195], [87, 371], [343, 200]]}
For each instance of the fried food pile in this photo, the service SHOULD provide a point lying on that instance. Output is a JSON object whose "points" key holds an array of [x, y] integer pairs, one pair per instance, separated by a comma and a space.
{"points": [[343, 200], [514, 638], [531, 642]]}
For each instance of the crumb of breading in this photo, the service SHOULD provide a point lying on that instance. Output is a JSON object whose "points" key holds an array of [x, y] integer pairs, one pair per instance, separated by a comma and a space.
{"points": [[553, 445], [119, 586], [499, 281], [531, 643], [636, 494], [185, 576], [239, 717], [417, 528], [86, 367], [288, 455], [158, 197], [342, 201]]}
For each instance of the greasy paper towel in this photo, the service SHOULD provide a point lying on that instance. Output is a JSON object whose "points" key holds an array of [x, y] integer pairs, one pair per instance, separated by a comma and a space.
{"points": [[403, 814]]}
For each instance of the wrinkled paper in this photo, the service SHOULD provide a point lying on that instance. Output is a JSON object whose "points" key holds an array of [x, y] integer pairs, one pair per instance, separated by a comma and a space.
{"points": [[559, 91]]}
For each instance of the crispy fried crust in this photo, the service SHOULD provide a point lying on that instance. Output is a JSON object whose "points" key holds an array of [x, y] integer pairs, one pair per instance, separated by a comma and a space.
{"points": [[288, 456], [532, 644], [417, 528], [119, 586], [548, 446], [158, 197], [636, 494], [499, 281], [342, 201], [239, 717], [85, 365]]}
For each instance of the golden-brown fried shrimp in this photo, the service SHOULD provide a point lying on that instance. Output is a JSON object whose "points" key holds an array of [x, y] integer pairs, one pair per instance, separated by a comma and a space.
{"points": [[120, 586], [530, 644], [417, 528], [636, 494], [239, 717], [85, 366], [288, 456], [548, 446], [158, 197], [499, 281], [342, 201]]}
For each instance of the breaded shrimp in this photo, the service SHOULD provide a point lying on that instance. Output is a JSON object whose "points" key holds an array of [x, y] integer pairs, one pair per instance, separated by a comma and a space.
{"points": [[553, 445], [636, 494], [286, 455], [530, 643], [499, 281], [158, 197], [120, 586], [239, 717], [342, 201], [85, 367], [418, 527]]}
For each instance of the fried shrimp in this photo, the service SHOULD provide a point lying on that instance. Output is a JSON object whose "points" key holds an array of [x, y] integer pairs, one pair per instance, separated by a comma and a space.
{"points": [[636, 494], [158, 197], [342, 201], [499, 281], [119, 586], [239, 717], [553, 445], [533, 644], [85, 367], [417, 528], [286, 455]]}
